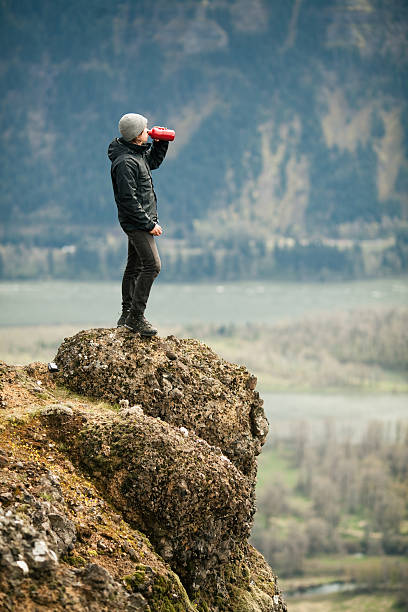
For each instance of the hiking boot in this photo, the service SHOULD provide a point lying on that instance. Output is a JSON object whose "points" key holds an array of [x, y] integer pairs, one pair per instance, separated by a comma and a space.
{"points": [[137, 323], [122, 318]]}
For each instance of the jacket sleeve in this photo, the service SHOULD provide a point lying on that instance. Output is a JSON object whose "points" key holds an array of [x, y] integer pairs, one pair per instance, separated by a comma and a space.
{"points": [[156, 153], [125, 178]]}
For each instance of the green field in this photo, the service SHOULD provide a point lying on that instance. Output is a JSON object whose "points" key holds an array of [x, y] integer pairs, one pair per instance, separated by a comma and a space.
{"points": [[333, 509], [378, 602]]}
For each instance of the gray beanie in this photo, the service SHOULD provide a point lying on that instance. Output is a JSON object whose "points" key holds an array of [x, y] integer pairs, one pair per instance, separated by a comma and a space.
{"points": [[131, 125]]}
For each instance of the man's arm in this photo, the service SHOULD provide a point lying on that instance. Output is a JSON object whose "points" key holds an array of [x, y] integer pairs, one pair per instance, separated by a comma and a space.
{"points": [[125, 179], [156, 153]]}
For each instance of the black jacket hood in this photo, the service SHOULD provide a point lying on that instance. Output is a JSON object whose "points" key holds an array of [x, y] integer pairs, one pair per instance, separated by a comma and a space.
{"points": [[119, 147]]}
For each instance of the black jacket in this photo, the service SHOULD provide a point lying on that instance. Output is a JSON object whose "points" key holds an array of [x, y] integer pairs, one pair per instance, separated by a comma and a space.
{"points": [[132, 182]]}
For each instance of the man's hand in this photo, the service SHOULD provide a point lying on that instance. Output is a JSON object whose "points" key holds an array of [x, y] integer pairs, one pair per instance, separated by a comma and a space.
{"points": [[156, 231]]}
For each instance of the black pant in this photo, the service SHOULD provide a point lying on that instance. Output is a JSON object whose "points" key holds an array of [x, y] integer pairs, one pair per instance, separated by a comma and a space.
{"points": [[143, 265]]}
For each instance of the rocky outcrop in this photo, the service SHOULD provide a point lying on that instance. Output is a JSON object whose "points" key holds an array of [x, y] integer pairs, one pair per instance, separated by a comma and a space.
{"points": [[144, 499], [181, 382]]}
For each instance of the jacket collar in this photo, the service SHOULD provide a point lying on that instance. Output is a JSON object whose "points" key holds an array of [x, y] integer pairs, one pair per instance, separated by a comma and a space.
{"points": [[134, 147]]}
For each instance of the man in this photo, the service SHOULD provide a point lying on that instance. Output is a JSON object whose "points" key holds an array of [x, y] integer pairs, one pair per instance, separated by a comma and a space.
{"points": [[132, 160]]}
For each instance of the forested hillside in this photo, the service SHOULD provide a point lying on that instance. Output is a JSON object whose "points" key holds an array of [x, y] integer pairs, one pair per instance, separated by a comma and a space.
{"points": [[291, 145], [334, 507]]}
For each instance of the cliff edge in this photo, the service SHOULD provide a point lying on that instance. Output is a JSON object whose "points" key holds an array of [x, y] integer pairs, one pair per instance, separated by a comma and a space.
{"points": [[127, 480]]}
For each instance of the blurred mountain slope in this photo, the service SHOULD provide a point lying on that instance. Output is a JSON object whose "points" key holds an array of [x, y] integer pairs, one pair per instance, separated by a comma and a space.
{"points": [[290, 117]]}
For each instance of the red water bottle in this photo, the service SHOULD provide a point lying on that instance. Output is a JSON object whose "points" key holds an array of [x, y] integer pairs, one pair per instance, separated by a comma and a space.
{"points": [[161, 133]]}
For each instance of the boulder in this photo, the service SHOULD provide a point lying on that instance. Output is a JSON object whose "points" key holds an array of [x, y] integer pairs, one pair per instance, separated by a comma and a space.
{"points": [[182, 382]]}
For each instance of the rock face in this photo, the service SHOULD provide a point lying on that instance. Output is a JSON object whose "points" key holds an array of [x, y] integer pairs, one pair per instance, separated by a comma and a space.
{"points": [[35, 535], [170, 458], [27, 550], [193, 503], [180, 381]]}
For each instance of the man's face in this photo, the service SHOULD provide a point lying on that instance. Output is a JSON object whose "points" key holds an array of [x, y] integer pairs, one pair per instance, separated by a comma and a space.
{"points": [[143, 137]]}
